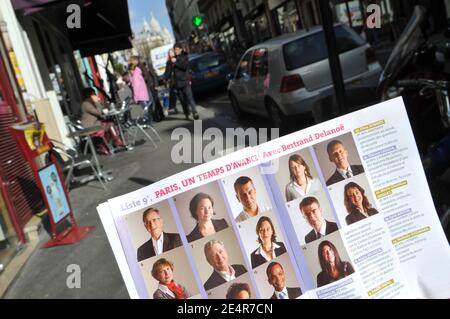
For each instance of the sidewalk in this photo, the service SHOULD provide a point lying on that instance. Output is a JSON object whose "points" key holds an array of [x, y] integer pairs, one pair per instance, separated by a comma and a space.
{"points": [[45, 275]]}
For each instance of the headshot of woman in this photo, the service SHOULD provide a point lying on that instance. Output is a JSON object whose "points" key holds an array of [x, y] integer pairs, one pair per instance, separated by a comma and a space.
{"points": [[333, 268], [268, 247], [357, 204], [162, 271], [302, 183], [201, 208]]}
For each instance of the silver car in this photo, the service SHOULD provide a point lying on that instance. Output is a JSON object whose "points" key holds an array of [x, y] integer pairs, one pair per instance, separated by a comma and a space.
{"points": [[290, 75]]}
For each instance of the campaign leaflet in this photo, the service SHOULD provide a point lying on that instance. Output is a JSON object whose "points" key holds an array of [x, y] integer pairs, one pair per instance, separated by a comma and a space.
{"points": [[338, 210]]}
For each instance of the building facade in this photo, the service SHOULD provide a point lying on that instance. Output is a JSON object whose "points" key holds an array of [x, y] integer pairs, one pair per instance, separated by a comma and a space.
{"points": [[237, 24], [181, 13], [40, 75], [151, 36], [20, 198]]}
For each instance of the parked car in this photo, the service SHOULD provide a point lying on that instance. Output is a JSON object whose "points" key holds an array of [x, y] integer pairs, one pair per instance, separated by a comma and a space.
{"points": [[290, 75], [208, 71]]}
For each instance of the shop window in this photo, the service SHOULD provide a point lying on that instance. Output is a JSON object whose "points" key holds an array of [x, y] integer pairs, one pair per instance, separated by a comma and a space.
{"points": [[263, 28], [350, 11], [8, 238], [310, 14], [287, 18]]}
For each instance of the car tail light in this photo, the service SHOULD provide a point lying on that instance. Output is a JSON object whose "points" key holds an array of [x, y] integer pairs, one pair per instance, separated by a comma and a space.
{"points": [[291, 83], [371, 56]]}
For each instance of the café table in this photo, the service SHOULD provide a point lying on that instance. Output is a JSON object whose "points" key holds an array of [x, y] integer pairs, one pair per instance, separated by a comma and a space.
{"points": [[86, 133], [114, 116]]}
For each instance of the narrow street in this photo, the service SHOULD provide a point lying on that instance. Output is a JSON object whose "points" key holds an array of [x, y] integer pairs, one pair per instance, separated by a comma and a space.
{"points": [[46, 270], [70, 71]]}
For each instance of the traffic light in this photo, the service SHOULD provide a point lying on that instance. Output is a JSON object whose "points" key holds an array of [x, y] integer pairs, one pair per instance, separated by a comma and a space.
{"points": [[197, 21]]}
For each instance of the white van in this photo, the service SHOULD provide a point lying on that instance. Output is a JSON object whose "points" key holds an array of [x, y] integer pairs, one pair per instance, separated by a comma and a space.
{"points": [[159, 58]]}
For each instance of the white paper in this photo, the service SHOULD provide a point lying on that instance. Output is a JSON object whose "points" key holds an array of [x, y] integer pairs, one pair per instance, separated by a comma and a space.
{"points": [[398, 251]]}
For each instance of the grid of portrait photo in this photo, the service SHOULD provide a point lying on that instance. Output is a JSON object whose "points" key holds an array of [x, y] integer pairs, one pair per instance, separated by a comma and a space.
{"points": [[159, 253], [220, 240], [324, 188], [349, 188], [227, 238]]}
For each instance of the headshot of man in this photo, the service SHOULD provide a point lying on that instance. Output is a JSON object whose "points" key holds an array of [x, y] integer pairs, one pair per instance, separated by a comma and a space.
{"points": [[357, 204], [313, 214], [162, 271], [333, 268], [160, 241], [302, 183], [201, 208], [338, 154], [239, 291], [246, 195], [277, 279], [268, 248], [217, 257]]}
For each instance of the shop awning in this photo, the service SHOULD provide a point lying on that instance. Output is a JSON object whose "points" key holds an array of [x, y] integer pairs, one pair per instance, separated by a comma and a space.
{"points": [[31, 5], [105, 28], [105, 24]]}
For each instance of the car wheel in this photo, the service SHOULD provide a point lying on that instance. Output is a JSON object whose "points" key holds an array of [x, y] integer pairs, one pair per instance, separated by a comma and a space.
{"points": [[277, 117], [235, 105]]}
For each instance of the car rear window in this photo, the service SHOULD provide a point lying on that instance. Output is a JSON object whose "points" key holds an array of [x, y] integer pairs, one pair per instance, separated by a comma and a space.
{"points": [[311, 49], [206, 63]]}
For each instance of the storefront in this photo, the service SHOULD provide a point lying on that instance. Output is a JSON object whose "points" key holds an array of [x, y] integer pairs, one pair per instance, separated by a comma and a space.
{"points": [[225, 40], [8, 238], [63, 73], [257, 26], [354, 12], [350, 12], [20, 198], [286, 14], [310, 13]]}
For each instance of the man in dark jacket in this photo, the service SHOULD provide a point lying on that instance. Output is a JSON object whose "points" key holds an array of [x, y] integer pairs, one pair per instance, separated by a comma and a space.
{"points": [[276, 278], [338, 154], [217, 256], [160, 241], [169, 78], [180, 64], [313, 214]]}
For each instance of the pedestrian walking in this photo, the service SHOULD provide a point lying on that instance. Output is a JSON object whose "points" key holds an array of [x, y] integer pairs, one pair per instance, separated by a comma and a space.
{"points": [[169, 77], [139, 86], [180, 65]]}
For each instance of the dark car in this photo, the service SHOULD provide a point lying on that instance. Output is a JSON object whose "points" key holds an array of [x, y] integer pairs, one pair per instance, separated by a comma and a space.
{"points": [[208, 71]]}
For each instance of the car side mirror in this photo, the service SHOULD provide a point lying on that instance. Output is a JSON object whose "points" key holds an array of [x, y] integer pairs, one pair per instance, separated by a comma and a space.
{"points": [[230, 76]]}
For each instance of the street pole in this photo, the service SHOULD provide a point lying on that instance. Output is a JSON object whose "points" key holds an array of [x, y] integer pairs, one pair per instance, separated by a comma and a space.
{"points": [[333, 56]]}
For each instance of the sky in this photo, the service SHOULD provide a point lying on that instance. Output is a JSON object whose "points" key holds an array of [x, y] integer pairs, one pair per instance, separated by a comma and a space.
{"points": [[140, 9]]}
